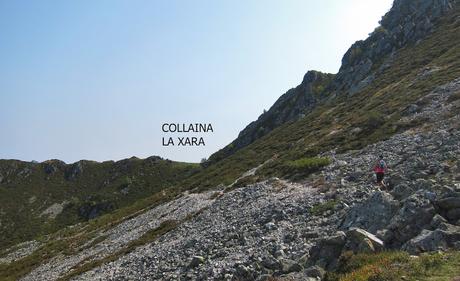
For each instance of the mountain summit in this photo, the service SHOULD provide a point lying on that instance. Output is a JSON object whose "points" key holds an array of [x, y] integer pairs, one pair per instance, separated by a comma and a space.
{"points": [[405, 24], [292, 198]]}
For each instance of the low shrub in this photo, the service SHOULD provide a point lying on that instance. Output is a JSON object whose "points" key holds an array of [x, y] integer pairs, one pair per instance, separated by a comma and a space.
{"points": [[308, 164], [373, 121]]}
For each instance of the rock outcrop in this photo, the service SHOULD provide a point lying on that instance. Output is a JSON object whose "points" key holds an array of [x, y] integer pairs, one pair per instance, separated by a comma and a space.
{"points": [[291, 106], [406, 23], [326, 253]]}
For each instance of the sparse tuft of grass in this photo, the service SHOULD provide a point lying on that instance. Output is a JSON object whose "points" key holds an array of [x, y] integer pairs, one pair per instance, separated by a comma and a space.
{"points": [[321, 208], [146, 238]]}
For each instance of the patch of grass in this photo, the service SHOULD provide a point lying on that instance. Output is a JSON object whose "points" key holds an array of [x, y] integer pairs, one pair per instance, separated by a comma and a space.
{"points": [[373, 120], [301, 168], [393, 266], [147, 237], [96, 241], [321, 208], [308, 164], [16, 269], [245, 182]]}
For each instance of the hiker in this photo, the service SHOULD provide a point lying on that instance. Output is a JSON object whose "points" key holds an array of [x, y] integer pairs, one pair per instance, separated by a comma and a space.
{"points": [[379, 169]]}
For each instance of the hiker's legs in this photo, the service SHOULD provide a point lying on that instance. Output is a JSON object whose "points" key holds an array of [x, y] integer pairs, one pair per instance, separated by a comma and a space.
{"points": [[380, 179]]}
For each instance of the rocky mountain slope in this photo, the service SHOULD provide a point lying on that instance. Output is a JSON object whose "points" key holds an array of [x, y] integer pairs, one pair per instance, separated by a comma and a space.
{"points": [[291, 106], [297, 201], [348, 119], [405, 24], [292, 230]]}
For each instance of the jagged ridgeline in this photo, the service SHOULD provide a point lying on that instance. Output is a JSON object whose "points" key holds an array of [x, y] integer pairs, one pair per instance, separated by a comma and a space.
{"points": [[413, 51], [38, 198], [399, 88]]}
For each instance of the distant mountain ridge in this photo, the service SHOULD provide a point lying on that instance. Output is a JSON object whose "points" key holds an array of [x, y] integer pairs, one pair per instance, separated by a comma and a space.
{"points": [[36, 198]]}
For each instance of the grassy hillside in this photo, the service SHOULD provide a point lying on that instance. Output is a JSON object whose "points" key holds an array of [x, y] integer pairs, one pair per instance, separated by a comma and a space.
{"points": [[392, 266], [39, 198], [350, 122]]}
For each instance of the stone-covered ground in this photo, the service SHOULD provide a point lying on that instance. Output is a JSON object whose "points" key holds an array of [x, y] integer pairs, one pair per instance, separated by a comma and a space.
{"points": [[281, 228], [270, 228]]}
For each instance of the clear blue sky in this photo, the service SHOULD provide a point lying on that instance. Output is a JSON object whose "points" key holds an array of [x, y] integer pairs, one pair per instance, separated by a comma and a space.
{"points": [[96, 79]]}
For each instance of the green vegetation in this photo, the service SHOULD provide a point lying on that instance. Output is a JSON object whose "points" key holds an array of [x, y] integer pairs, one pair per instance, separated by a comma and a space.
{"points": [[321, 208], [19, 268], [146, 238], [373, 121], [355, 53], [85, 190], [348, 123], [310, 164], [305, 166], [71, 240], [393, 266]]}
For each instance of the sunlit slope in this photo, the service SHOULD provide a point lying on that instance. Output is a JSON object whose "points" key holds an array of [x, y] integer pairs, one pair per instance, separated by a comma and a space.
{"points": [[350, 121]]}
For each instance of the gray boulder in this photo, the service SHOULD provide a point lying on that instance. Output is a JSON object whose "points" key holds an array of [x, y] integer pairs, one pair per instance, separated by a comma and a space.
{"points": [[288, 266], [415, 214], [271, 263], [326, 252], [373, 214], [315, 272], [264, 277], [449, 203], [445, 237], [243, 273], [361, 241], [297, 276], [453, 214], [402, 190], [437, 221]]}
